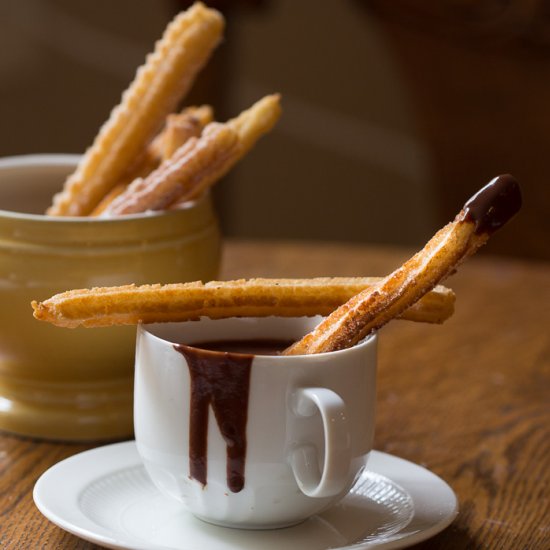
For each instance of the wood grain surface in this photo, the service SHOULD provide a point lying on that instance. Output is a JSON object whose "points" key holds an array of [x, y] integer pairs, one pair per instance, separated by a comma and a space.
{"points": [[469, 399]]}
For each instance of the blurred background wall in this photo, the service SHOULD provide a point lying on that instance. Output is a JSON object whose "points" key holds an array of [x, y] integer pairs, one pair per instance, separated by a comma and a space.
{"points": [[394, 112]]}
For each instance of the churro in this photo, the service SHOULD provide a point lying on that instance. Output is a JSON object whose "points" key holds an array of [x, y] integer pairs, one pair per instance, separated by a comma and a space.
{"points": [[251, 124], [199, 162], [155, 92], [182, 126], [131, 304], [116, 191], [178, 129], [195, 164], [372, 308], [148, 162]]}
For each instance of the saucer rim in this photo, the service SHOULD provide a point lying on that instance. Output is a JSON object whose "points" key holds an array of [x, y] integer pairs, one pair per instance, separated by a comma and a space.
{"points": [[80, 525]]}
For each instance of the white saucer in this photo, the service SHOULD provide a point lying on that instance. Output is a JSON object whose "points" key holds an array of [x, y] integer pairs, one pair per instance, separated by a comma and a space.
{"points": [[104, 496]]}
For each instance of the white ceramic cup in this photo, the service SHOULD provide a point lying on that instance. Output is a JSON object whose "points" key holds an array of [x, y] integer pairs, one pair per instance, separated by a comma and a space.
{"points": [[259, 448]]}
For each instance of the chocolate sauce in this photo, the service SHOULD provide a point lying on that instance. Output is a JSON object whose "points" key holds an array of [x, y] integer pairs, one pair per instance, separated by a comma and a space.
{"points": [[259, 346], [491, 207], [221, 381]]}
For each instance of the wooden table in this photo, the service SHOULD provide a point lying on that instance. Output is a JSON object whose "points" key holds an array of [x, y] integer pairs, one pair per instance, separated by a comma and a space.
{"points": [[469, 399]]}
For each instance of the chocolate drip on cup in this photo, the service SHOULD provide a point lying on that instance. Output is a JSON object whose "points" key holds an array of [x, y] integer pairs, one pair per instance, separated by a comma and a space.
{"points": [[219, 381], [492, 206]]}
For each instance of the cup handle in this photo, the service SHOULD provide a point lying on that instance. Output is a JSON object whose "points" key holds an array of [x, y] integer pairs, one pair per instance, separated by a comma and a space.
{"points": [[334, 477]]}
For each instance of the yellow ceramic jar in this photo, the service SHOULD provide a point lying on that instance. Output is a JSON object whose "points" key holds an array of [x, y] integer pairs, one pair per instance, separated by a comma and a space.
{"points": [[77, 384]]}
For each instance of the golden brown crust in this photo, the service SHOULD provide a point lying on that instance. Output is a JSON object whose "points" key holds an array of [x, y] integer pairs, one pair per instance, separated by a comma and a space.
{"points": [[193, 167], [256, 121], [132, 304], [199, 162], [178, 129], [250, 126], [182, 126], [377, 305], [115, 192], [157, 88]]}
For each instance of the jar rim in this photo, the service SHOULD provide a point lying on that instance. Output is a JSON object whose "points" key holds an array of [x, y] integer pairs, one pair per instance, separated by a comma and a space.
{"points": [[68, 160]]}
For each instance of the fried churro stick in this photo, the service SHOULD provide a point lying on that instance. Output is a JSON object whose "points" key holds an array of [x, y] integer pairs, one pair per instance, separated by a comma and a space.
{"points": [[157, 88], [255, 122], [198, 161], [115, 192], [178, 129], [251, 298], [183, 126], [369, 310], [187, 174], [148, 162], [203, 113], [250, 125]]}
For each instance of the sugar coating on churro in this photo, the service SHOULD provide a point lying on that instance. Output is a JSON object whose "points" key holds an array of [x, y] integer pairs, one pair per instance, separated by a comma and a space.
{"points": [[159, 85], [200, 162], [179, 128], [183, 126], [131, 304], [256, 121], [250, 126], [371, 309]]}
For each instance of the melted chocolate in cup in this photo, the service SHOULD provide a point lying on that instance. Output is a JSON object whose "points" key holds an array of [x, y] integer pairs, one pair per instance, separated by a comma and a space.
{"points": [[256, 346], [220, 378]]}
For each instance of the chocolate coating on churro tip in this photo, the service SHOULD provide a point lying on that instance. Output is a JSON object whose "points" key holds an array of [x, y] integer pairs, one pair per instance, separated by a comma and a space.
{"points": [[492, 206]]}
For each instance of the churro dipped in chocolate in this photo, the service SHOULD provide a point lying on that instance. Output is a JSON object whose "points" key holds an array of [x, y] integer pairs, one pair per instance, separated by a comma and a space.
{"points": [[132, 304], [369, 310], [158, 87], [199, 162]]}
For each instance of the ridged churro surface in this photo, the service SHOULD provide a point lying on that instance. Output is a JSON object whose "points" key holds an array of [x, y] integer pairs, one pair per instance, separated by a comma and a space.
{"points": [[199, 162], [155, 92], [179, 128], [375, 306], [218, 299], [187, 173], [183, 126]]}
